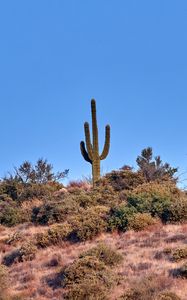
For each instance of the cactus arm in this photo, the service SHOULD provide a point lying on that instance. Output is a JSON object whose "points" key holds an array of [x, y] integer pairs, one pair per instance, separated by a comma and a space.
{"points": [[94, 127], [84, 152], [107, 143], [88, 140]]}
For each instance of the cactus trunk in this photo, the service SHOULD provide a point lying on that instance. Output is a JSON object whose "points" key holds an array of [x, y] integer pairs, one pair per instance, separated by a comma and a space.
{"points": [[96, 170], [92, 153]]}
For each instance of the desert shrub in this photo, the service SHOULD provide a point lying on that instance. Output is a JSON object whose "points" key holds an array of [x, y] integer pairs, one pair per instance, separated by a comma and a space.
{"points": [[55, 212], [177, 211], [101, 195], [10, 188], [54, 236], [87, 289], [179, 254], [140, 221], [42, 239], [11, 215], [48, 213], [154, 198], [14, 238], [89, 268], [81, 198], [88, 278], [19, 191], [58, 233], [124, 179], [27, 252], [88, 223], [31, 191], [28, 206], [105, 195], [119, 216], [104, 254], [167, 296]]}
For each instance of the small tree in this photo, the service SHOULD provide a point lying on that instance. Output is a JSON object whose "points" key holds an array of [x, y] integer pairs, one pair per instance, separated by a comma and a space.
{"points": [[30, 181], [42, 172], [154, 168]]}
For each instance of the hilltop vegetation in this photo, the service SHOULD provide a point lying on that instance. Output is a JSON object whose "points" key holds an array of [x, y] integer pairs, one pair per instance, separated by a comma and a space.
{"points": [[79, 242]]}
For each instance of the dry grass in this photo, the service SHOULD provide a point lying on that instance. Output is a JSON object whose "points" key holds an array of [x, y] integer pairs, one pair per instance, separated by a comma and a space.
{"points": [[145, 253]]}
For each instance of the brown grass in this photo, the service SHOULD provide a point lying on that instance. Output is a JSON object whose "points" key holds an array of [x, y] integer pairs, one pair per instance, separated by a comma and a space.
{"points": [[145, 253]]}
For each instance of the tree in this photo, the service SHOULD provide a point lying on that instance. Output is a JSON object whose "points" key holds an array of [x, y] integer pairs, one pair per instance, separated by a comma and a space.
{"points": [[42, 172], [154, 169]]}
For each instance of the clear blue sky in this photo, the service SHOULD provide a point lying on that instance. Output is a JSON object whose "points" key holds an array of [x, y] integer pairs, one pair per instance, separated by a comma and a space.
{"points": [[131, 56]]}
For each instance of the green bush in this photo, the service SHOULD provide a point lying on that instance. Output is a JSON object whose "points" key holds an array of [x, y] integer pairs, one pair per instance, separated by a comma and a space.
{"points": [[10, 187], [46, 214], [154, 198], [80, 198], [11, 215], [89, 276], [87, 289], [119, 217], [101, 195], [89, 223], [85, 223], [54, 236], [140, 221], [177, 211], [19, 191], [55, 212], [35, 190], [124, 179], [104, 254], [89, 268], [83, 277], [105, 195]]}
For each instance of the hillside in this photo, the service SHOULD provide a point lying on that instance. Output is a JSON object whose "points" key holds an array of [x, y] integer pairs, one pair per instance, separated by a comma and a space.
{"points": [[144, 253], [125, 238]]}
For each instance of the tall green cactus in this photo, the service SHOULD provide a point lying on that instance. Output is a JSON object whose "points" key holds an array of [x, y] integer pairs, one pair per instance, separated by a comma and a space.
{"points": [[92, 153]]}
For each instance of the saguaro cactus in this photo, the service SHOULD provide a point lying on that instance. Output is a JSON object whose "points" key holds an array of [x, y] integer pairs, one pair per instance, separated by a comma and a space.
{"points": [[91, 154]]}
